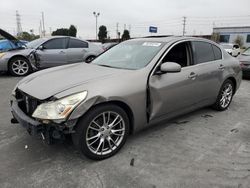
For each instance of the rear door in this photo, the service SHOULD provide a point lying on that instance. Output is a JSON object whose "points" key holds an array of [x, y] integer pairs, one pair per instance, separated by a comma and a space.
{"points": [[53, 53], [209, 69], [173, 93], [76, 50]]}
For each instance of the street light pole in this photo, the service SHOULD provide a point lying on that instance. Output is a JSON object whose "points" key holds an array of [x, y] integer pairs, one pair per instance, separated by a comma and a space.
{"points": [[96, 16]]}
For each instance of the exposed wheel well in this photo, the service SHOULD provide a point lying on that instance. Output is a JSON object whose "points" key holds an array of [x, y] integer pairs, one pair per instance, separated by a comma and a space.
{"points": [[234, 82]]}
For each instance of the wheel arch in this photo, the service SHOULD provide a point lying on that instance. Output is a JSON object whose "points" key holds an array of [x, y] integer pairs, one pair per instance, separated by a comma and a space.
{"points": [[122, 105], [15, 56]]}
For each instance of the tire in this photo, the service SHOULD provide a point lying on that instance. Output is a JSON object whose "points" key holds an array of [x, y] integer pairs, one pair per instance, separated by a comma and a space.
{"points": [[97, 140], [19, 66], [225, 96], [89, 59]]}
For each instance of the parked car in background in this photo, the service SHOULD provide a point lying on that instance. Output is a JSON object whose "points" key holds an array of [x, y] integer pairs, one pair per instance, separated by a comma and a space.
{"points": [[108, 45], [133, 85], [232, 49], [7, 45], [244, 59], [47, 52]]}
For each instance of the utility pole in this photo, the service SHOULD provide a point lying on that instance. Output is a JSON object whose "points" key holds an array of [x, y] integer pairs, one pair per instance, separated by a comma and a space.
{"points": [[18, 24], [40, 29], [96, 16], [117, 30], [43, 29], [184, 25]]}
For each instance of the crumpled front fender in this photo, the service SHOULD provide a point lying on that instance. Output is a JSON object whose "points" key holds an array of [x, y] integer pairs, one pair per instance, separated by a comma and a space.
{"points": [[85, 106]]}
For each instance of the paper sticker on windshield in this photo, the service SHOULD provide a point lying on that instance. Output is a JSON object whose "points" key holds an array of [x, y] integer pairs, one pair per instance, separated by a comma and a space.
{"points": [[154, 44]]}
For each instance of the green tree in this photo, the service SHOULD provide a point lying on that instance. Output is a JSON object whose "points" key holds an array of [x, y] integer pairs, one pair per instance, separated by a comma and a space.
{"points": [[215, 37], [72, 31], [26, 36], [102, 35], [61, 31], [239, 41], [125, 35]]}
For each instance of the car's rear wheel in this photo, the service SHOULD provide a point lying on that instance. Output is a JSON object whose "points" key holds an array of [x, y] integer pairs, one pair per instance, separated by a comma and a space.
{"points": [[89, 59], [225, 96], [19, 66], [102, 131]]}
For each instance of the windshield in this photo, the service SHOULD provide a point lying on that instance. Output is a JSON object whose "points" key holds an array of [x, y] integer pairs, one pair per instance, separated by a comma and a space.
{"points": [[129, 55], [247, 51], [227, 46], [35, 43]]}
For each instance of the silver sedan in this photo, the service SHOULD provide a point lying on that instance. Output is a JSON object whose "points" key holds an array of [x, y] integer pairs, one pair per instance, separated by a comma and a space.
{"points": [[47, 52], [136, 84]]}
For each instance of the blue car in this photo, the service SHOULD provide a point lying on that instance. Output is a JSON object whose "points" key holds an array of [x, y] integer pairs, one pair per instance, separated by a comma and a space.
{"points": [[6, 45]]}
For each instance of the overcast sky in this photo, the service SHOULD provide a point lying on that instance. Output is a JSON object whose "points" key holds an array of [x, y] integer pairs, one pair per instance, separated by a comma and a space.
{"points": [[138, 15]]}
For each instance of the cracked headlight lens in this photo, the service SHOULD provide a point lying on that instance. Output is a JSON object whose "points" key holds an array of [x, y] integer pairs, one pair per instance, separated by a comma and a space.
{"points": [[59, 109]]}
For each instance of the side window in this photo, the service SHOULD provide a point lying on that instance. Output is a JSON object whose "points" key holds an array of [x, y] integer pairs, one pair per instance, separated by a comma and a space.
{"points": [[178, 54], [74, 43], [59, 43], [203, 52], [217, 52]]}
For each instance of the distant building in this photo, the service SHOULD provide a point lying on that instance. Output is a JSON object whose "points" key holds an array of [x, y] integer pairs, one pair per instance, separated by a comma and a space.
{"points": [[229, 34]]}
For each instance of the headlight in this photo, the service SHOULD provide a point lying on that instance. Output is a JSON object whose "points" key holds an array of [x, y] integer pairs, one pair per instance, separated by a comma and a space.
{"points": [[60, 109], [1, 55]]}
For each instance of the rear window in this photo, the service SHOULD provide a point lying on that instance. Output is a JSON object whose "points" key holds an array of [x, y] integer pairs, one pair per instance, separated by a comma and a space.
{"points": [[203, 52], [217, 52], [74, 43]]}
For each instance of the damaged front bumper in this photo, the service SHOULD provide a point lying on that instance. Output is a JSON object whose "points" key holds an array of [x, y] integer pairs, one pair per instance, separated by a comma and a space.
{"points": [[34, 127], [49, 132]]}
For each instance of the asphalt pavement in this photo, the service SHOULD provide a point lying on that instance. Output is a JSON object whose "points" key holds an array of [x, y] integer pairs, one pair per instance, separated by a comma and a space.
{"points": [[204, 149]]}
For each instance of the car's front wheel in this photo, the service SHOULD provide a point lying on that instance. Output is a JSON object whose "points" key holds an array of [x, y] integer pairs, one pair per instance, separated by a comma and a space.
{"points": [[225, 96], [19, 66], [102, 131]]}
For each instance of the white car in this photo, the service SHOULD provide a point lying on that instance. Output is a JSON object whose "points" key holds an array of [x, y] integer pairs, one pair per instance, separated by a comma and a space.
{"points": [[232, 49]]}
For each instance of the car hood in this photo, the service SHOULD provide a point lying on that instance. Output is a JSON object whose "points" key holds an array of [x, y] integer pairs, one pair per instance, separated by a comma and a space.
{"points": [[7, 35], [45, 84]]}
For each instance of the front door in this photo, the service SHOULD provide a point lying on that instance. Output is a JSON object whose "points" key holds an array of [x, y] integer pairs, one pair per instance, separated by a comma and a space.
{"points": [[173, 92], [52, 53]]}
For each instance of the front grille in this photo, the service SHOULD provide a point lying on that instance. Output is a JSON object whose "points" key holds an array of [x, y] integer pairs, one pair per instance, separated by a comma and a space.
{"points": [[26, 103]]}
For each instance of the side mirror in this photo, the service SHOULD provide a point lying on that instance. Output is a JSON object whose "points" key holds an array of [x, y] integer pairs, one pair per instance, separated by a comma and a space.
{"points": [[170, 67], [41, 47]]}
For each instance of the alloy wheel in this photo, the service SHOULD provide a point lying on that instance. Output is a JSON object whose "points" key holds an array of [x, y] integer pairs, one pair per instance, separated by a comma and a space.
{"points": [[226, 95], [20, 67], [105, 133]]}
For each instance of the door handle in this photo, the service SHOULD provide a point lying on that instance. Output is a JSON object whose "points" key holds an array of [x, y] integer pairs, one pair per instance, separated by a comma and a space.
{"points": [[221, 67], [192, 75], [62, 52]]}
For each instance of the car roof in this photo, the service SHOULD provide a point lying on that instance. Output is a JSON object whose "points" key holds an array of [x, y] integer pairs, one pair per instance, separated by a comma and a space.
{"points": [[172, 39], [60, 36]]}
